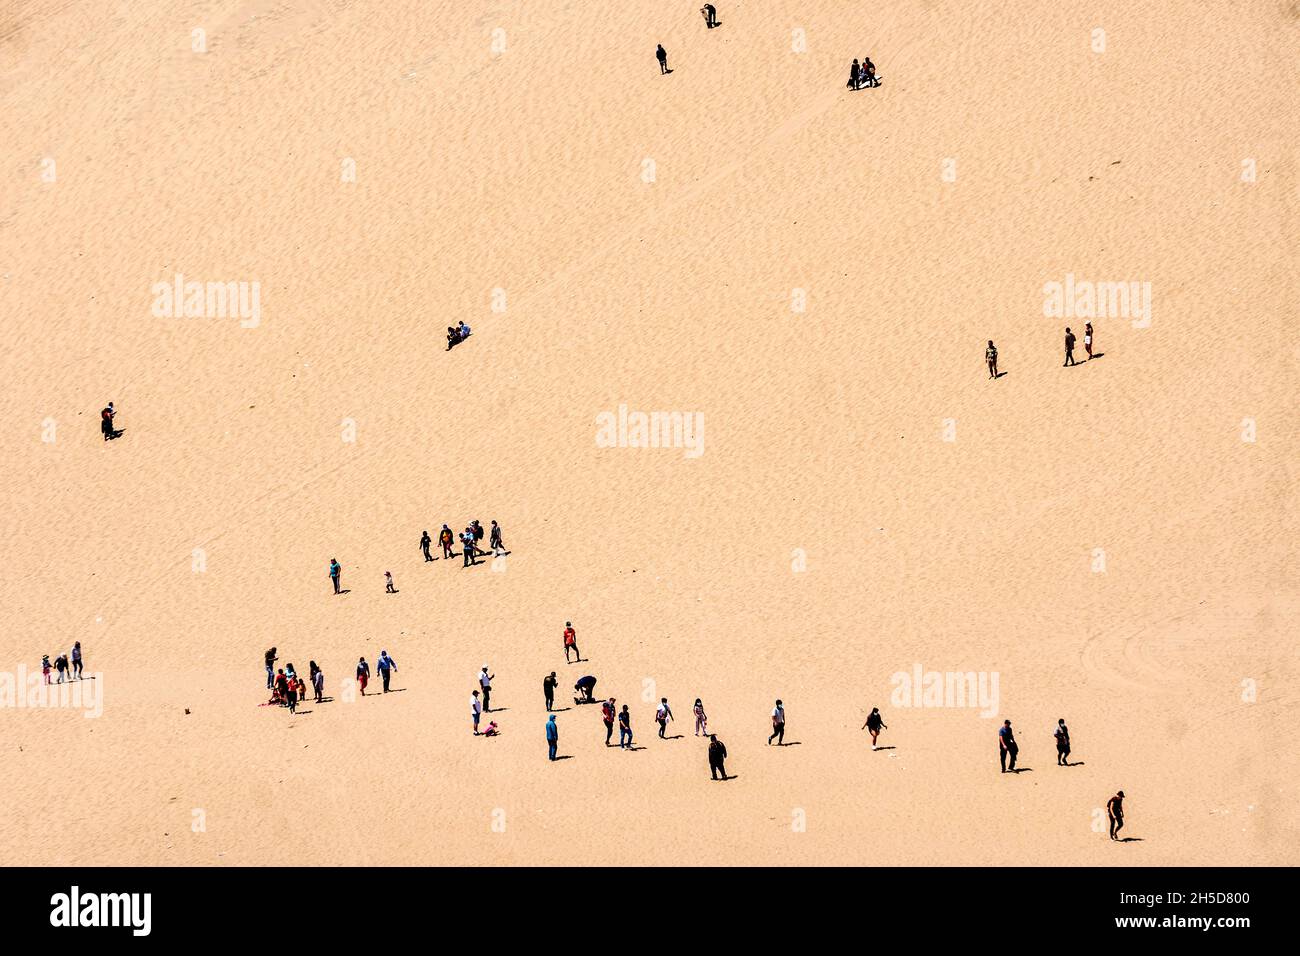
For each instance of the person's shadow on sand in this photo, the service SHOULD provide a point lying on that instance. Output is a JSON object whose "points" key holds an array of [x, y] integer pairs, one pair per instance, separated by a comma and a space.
{"points": [[890, 747], [790, 743], [1130, 840], [563, 757], [1022, 770], [1001, 375]]}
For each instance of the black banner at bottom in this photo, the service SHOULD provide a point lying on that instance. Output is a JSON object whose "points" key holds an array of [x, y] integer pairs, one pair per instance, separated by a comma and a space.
{"points": [[346, 904]]}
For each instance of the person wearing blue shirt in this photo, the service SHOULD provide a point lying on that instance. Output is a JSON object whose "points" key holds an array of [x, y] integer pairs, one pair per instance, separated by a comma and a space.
{"points": [[552, 736], [386, 666]]}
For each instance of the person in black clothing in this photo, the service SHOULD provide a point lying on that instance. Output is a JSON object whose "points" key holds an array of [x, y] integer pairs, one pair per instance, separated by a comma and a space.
{"points": [[662, 56], [548, 688], [855, 75], [585, 686], [710, 15], [875, 723], [1115, 810], [1069, 348], [1007, 747], [868, 75], [1062, 735], [425, 541], [717, 754], [270, 667]]}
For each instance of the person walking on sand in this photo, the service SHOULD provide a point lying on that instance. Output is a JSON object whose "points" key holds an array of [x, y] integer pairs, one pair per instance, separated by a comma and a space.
{"points": [[76, 660], [607, 713], [855, 75], [387, 667], [1069, 348], [445, 538], [363, 675], [869, 72], [552, 737], [425, 541], [991, 359], [548, 689], [485, 682], [663, 715], [701, 719], [478, 532], [335, 571], [270, 667], [662, 56], [317, 680], [710, 15], [1007, 747], [625, 728], [1062, 734], [717, 757], [494, 540], [571, 643], [106, 422], [875, 723], [1115, 811], [61, 668], [467, 548], [778, 725], [388, 583], [475, 710], [1087, 340]]}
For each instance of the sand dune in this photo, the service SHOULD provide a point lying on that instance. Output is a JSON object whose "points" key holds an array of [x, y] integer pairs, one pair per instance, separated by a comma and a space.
{"points": [[1115, 541]]}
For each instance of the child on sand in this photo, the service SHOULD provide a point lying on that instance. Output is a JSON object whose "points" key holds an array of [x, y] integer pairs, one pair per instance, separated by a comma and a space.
{"points": [[701, 719], [491, 730], [475, 710], [45, 667]]}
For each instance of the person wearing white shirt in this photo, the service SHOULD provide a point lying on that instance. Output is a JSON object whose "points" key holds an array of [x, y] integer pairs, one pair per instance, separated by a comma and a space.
{"points": [[778, 725]]}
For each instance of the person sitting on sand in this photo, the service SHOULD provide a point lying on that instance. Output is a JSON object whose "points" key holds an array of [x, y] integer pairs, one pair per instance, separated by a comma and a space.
{"points": [[463, 331], [491, 729], [452, 337]]}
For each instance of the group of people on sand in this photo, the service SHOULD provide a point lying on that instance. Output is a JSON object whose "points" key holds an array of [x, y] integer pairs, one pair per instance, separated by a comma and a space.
{"points": [[287, 687], [66, 666], [470, 542], [991, 353], [863, 74], [456, 334]]}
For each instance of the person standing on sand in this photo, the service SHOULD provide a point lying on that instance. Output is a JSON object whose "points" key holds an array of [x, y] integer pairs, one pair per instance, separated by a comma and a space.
{"points": [[106, 423], [663, 715], [710, 15], [991, 359], [445, 538], [61, 668], [571, 642], [388, 583], [778, 725], [855, 75], [335, 571], [662, 56], [467, 548], [1087, 340], [494, 540], [317, 680], [291, 695], [387, 666], [485, 682], [548, 688], [1062, 734], [76, 660], [701, 719], [1069, 348], [475, 710], [552, 737], [270, 667], [1007, 747], [477, 528], [425, 541], [363, 675], [875, 723], [607, 713], [45, 668], [625, 728], [1115, 811], [717, 757]]}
